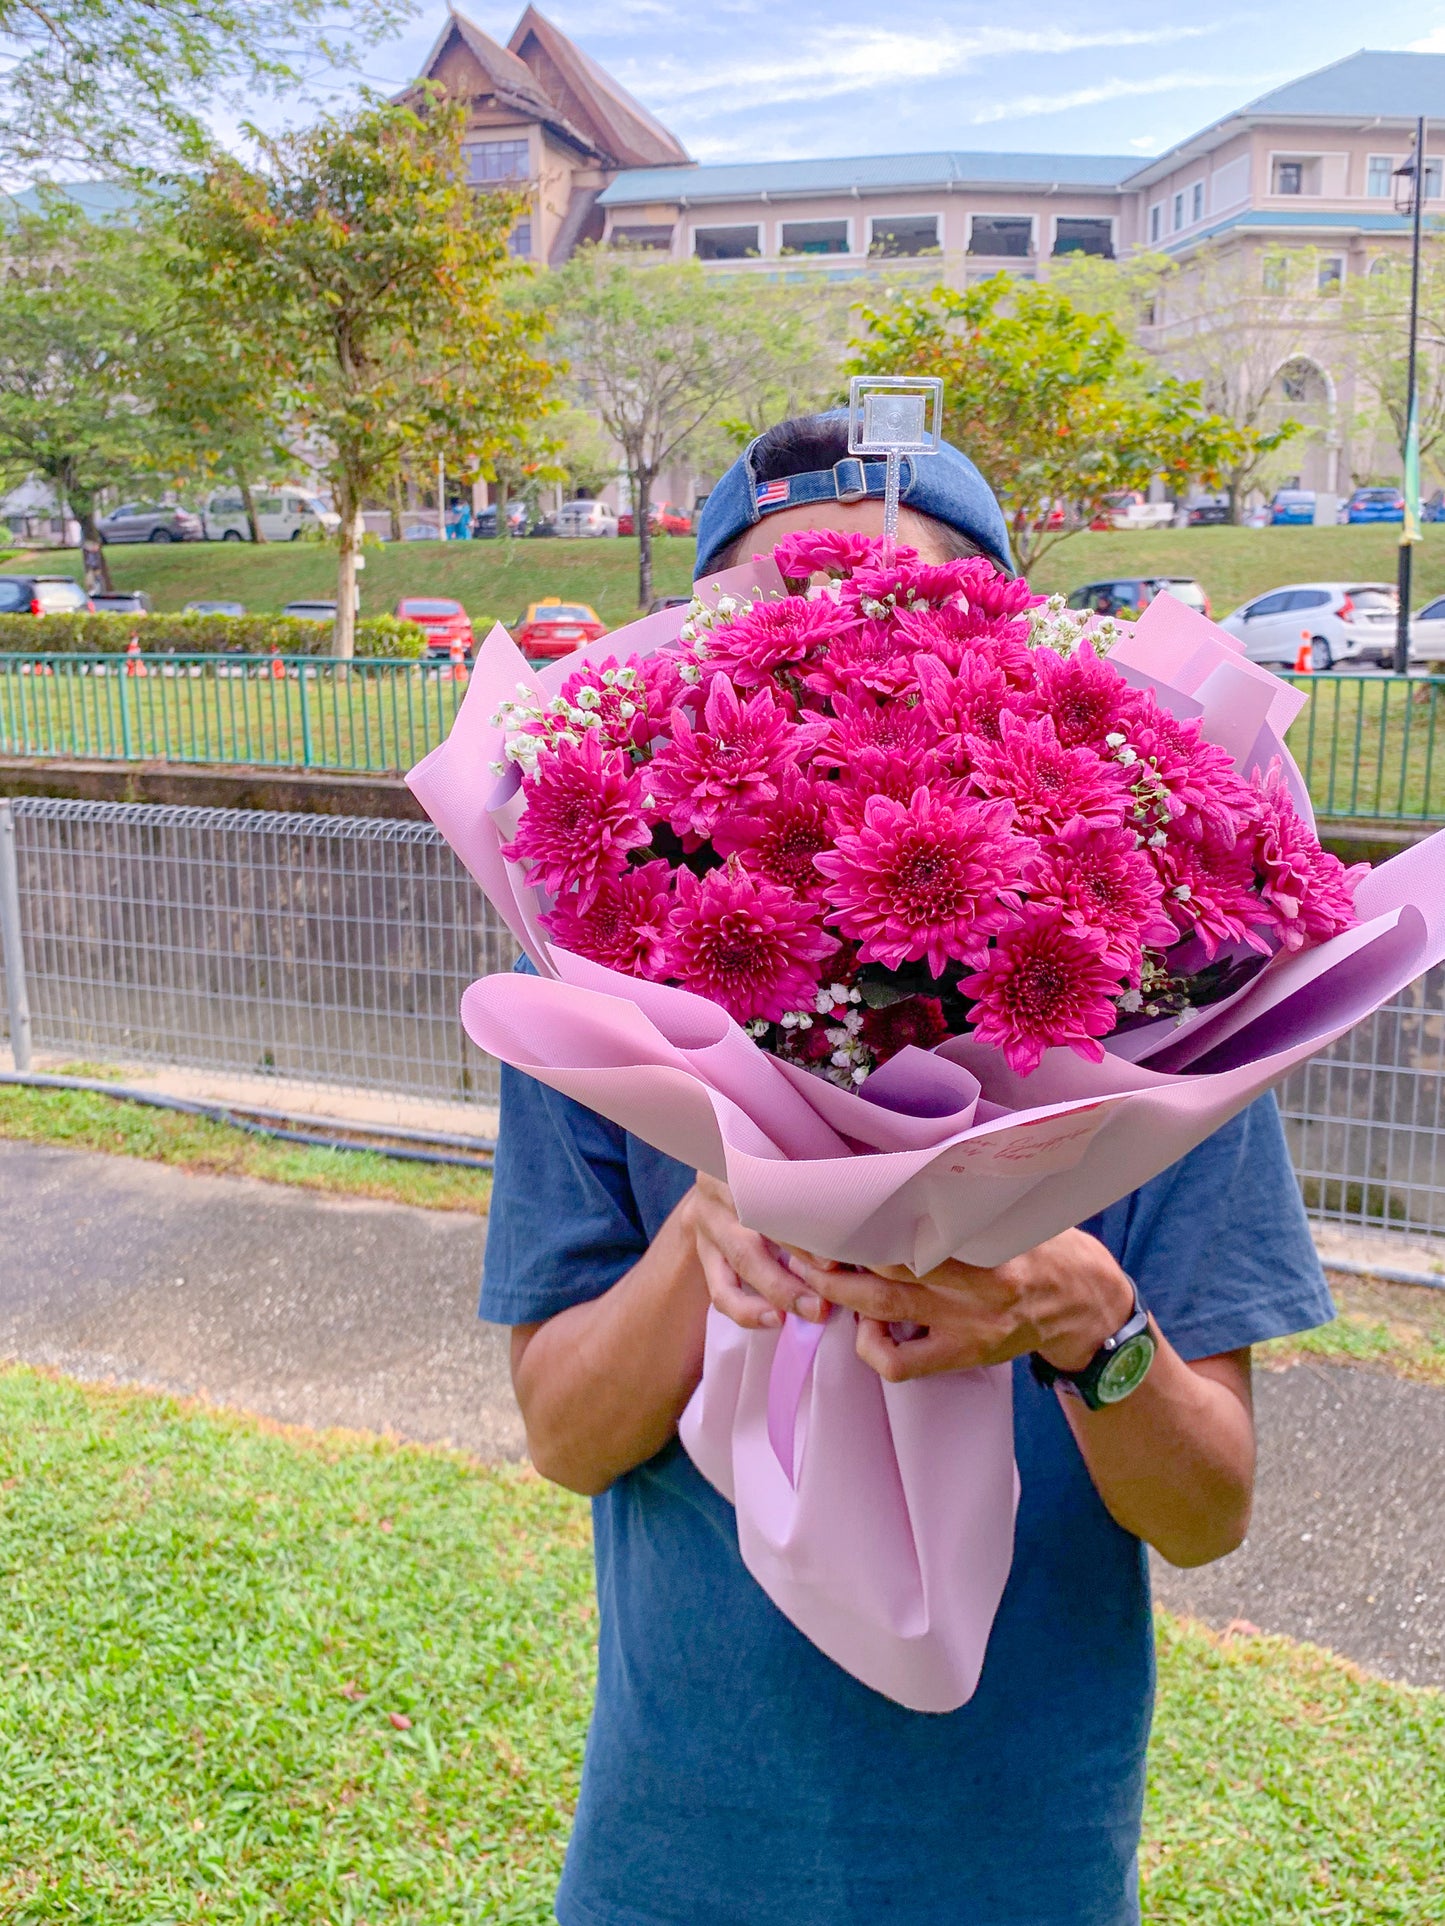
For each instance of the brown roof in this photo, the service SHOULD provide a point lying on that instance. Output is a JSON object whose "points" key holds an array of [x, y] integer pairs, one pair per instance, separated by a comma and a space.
{"points": [[618, 126], [505, 79]]}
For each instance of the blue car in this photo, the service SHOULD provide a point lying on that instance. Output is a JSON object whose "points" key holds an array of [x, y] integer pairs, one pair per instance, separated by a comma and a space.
{"points": [[1292, 508], [1375, 505]]}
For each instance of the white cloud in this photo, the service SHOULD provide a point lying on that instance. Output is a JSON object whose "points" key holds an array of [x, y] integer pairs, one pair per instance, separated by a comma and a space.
{"points": [[1431, 43], [1028, 106], [1144, 143]]}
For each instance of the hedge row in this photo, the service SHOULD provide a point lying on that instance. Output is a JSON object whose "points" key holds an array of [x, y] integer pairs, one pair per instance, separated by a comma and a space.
{"points": [[108, 634]]}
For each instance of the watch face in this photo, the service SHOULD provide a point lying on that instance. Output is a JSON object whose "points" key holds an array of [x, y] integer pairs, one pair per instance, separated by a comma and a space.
{"points": [[1126, 1370]]}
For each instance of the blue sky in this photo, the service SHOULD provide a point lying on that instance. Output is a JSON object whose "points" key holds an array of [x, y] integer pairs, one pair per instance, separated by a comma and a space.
{"points": [[752, 79]]}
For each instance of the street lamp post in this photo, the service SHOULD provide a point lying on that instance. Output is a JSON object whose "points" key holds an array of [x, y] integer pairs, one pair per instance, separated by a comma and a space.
{"points": [[1410, 199]]}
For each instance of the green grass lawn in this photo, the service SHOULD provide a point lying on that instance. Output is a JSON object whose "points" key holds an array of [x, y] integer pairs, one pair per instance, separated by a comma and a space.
{"points": [[255, 1675], [495, 580]]}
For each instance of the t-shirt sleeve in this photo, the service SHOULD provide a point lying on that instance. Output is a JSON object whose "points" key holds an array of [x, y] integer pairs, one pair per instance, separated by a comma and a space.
{"points": [[564, 1223], [1219, 1244]]}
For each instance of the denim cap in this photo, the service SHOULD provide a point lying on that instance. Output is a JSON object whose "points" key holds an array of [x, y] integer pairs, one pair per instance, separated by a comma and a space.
{"points": [[946, 486]]}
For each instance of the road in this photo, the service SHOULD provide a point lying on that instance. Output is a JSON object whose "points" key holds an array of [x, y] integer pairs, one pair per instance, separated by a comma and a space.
{"points": [[323, 1311]]}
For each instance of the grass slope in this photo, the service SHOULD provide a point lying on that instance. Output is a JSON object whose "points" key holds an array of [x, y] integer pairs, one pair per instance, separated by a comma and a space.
{"points": [[496, 580], [254, 1675]]}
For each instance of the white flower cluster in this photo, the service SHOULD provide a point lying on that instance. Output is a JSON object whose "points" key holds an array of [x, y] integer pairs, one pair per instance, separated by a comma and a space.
{"points": [[1153, 804], [1054, 625], [699, 623], [851, 1059], [561, 720]]}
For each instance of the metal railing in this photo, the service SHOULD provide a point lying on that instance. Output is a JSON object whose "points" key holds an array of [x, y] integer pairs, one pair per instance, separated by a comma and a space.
{"points": [[334, 949], [322, 948], [1371, 747], [295, 712]]}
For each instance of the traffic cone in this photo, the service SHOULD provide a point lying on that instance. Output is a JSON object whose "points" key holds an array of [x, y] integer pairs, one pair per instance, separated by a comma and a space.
{"points": [[278, 667], [1304, 662], [133, 663], [458, 660]]}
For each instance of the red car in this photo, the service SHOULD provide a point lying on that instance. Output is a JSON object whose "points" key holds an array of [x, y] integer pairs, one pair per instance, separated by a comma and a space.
{"points": [[552, 627], [663, 519], [445, 622]]}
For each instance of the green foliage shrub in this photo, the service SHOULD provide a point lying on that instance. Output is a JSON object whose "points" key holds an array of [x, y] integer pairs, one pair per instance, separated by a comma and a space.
{"points": [[108, 634]]}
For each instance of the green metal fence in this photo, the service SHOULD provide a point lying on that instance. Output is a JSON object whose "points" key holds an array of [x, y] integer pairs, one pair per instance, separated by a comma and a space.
{"points": [[299, 712], [1367, 743]]}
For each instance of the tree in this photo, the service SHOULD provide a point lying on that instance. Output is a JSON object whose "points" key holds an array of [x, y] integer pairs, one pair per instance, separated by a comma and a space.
{"points": [[114, 83], [1055, 405], [80, 309], [220, 421], [656, 352], [1373, 320], [358, 280]]}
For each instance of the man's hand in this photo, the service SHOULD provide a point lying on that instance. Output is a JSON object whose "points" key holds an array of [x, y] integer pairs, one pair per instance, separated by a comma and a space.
{"points": [[746, 1279]]}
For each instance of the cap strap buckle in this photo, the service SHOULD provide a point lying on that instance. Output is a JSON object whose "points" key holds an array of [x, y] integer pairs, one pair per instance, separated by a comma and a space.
{"points": [[850, 479]]}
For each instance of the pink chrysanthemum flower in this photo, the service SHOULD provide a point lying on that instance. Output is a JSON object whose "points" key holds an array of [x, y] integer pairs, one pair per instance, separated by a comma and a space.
{"points": [[749, 944], [1209, 890], [1102, 882], [908, 584], [732, 762], [781, 841], [629, 712], [1045, 983], [1086, 699], [1048, 784], [964, 704], [775, 638], [831, 551], [992, 592], [932, 878], [625, 926], [868, 656], [955, 633], [1311, 892], [583, 815], [863, 723], [1208, 795]]}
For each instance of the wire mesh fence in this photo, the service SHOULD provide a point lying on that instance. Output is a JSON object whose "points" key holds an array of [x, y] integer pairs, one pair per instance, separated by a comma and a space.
{"points": [[329, 949], [334, 949]]}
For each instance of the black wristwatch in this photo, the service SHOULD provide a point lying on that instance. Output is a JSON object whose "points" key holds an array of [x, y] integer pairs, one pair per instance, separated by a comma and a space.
{"points": [[1118, 1367]]}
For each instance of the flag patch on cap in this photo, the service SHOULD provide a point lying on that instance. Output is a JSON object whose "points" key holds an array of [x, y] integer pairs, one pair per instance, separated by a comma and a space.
{"points": [[773, 492]]}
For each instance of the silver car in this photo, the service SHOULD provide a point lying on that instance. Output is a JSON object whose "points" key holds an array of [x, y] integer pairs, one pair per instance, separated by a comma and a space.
{"points": [[150, 522], [1427, 635], [1339, 623]]}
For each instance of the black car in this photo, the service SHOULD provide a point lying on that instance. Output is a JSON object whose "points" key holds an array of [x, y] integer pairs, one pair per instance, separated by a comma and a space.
{"points": [[1129, 596], [42, 595], [519, 521], [1207, 511]]}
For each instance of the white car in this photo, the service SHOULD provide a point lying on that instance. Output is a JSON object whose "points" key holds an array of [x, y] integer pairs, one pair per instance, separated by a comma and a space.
{"points": [[1340, 622], [577, 519], [285, 515], [1427, 632]]}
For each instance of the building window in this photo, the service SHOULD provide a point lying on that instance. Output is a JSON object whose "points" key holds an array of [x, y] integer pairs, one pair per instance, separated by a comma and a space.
{"points": [[1196, 196], [1433, 176], [894, 236], [815, 237], [1377, 177], [496, 160], [1156, 221], [1078, 236], [1004, 235], [1330, 273], [655, 238], [1297, 176], [1178, 212], [519, 242], [725, 243]]}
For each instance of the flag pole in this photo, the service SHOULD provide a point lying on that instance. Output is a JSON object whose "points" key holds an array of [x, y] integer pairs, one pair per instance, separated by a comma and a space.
{"points": [[1410, 529]]}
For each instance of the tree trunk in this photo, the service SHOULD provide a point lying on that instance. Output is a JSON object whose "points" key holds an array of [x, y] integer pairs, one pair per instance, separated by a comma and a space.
{"points": [[641, 521], [396, 528], [343, 636], [504, 527], [248, 502], [94, 561]]}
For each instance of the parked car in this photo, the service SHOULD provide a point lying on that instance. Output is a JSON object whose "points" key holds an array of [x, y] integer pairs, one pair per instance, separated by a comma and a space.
{"points": [[1340, 622], [578, 519], [1206, 511], [519, 521], [661, 602], [311, 611], [1432, 509], [285, 515], [1132, 594], [663, 518], [1375, 505], [1292, 508], [150, 522], [551, 627], [1427, 632], [223, 607], [445, 622], [121, 602], [1131, 510], [42, 595]]}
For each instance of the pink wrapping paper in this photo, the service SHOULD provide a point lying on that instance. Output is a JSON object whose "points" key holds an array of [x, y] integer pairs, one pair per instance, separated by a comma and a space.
{"points": [[844, 1513]]}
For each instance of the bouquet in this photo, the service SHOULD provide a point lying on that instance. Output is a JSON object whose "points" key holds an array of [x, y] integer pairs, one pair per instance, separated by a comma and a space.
{"points": [[932, 919], [915, 804]]}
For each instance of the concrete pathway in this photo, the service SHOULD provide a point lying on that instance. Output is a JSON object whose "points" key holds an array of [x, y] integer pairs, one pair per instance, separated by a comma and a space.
{"points": [[323, 1311]]}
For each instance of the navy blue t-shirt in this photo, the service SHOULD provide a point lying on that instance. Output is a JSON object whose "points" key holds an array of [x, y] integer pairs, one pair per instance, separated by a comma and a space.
{"points": [[733, 1773]]}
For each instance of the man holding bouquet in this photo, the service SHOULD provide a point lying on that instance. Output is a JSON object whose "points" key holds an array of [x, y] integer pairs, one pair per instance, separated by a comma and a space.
{"points": [[733, 1772]]}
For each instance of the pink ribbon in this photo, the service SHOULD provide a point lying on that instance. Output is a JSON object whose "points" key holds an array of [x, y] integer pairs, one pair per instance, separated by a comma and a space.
{"points": [[797, 1347]]}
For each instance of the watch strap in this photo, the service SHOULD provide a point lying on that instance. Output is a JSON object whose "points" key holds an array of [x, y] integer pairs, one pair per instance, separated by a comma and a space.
{"points": [[1082, 1384]]}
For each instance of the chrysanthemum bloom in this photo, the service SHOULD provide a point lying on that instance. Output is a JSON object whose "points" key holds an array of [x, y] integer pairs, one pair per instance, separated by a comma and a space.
{"points": [[1048, 784], [862, 722], [918, 1020], [906, 583], [775, 638], [583, 814], [1311, 891], [1086, 699], [831, 551], [1044, 983], [870, 655], [962, 704], [781, 841], [626, 924], [992, 592], [749, 944], [730, 763], [1208, 794], [956, 632], [1210, 890], [1102, 882], [933, 877]]}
